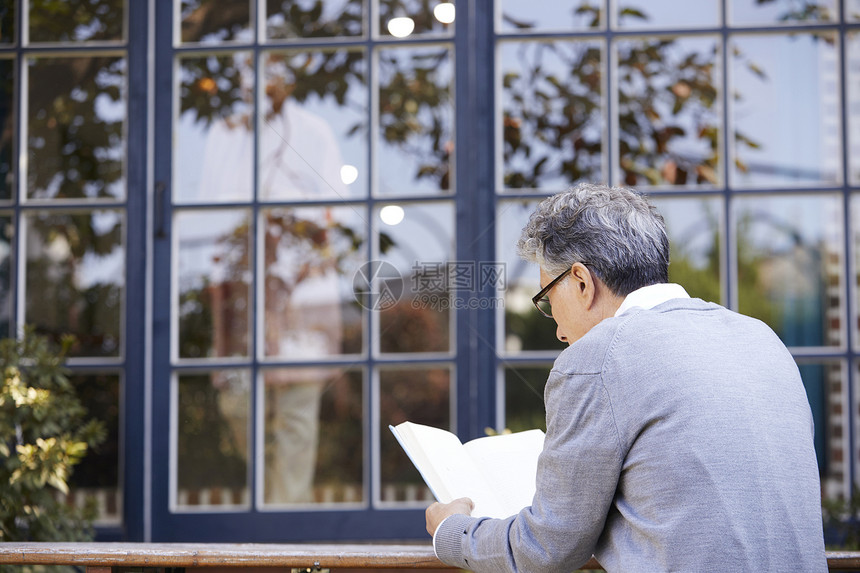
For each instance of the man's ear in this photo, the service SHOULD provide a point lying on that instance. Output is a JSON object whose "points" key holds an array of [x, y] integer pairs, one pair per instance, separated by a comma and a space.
{"points": [[585, 287]]}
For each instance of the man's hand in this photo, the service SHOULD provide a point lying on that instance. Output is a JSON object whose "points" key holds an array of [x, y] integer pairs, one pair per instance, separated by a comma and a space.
{"points": [[437, 512]]}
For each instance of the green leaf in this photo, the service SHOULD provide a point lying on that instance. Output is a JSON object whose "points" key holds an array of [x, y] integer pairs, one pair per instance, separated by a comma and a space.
{"points": [[633, 13], [58, 483]]}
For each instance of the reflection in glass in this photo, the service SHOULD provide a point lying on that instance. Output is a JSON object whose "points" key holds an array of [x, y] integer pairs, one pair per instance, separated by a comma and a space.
{"points": [[7, 233], [8, 33], [416, 121], [552, 125], [75, 278], [524, 328], [314, 18], [777, 140], [76, 111], [96, 478], [303, 464], [746, 13], [852, 89], [213, 268], [855, 246], [212, 22], [425, 19], [313, 128], [311, 255], [420, 395], [524, 405], [212, 157], [789, 263], [852, 10], [827, 390], [814, 378], [212, 433], [668, 118], [666, 14], [530, 16], [420, 247], [8, 118], [695, 238], [77, 20]]}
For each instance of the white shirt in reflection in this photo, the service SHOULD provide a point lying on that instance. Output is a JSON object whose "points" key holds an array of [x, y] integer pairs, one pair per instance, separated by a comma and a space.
{"points": [[299, 159]]}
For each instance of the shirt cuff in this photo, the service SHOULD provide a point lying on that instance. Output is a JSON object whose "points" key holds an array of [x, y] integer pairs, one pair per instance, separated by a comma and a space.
{"points": [[448, 539], [438, 527]]}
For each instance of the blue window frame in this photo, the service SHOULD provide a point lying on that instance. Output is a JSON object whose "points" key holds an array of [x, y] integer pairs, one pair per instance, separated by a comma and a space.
{"points": [[280, 157]]}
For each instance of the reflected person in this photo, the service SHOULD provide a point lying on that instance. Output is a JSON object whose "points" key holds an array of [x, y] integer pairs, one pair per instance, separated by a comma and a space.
{"points": [[299, 159], [679, 435]]}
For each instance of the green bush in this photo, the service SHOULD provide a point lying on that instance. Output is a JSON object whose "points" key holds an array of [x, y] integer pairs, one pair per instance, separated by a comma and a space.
{"points": [[44, 432]]}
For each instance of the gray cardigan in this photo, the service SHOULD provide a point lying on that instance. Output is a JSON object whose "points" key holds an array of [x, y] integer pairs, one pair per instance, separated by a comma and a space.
{"points": [[678, 439]]}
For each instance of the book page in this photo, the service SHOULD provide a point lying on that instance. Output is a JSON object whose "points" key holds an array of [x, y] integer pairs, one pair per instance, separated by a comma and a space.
{"points": [[447, 468], [509, 462]]}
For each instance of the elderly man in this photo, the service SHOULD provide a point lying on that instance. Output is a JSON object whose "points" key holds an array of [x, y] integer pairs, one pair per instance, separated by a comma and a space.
{"points": [[679, 436]]}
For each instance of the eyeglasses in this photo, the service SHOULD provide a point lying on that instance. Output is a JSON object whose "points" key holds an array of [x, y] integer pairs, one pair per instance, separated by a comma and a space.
{"points": [[541, 300]]}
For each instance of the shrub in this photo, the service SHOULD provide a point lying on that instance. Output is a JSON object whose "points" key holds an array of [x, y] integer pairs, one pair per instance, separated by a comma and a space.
{"points": [[43, 434]]}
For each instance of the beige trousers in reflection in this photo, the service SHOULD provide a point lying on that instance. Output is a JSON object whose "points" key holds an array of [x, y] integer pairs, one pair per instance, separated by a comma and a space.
{"points": [[292, 440]]}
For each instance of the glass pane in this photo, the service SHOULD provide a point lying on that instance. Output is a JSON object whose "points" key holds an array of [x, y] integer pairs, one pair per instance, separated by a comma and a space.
{"points": [[852, 82], [524, 406], [75, 278], [420, 395], [666, 14], [213, 276], [418, 248], [823, 383], [8, 119], [313, 128], [763, 12], [525, 328], [827, 390], [778, 140], [695, 237], [96, 479], [212, 432], [530, 16], [852, 10], [790, 264], [416, 121], [855, 246], [668, 112], [402, 18], [214, 139], [8, 21], [552, 122], [314, 436], [77, 20], [311, 255], [211, 22], [76, 111], [314, 18], [7, 267]]}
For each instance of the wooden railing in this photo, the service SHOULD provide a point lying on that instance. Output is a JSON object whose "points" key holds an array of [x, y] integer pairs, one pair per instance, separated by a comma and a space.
{"points": [[113, 557]]}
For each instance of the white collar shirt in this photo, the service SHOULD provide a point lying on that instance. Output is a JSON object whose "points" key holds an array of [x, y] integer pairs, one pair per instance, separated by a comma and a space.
{"points": [[650, 296]]}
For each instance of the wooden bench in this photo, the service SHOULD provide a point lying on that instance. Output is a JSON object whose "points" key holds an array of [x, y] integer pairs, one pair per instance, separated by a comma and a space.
{"points": [[228, 557]]}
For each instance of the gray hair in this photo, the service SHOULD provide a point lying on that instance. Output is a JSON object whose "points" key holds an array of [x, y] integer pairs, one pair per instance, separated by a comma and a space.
{"points": [[616, 232]]}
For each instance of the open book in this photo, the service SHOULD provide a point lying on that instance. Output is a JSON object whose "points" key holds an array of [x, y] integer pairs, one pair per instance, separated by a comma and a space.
{"points": [[496, 472]]}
